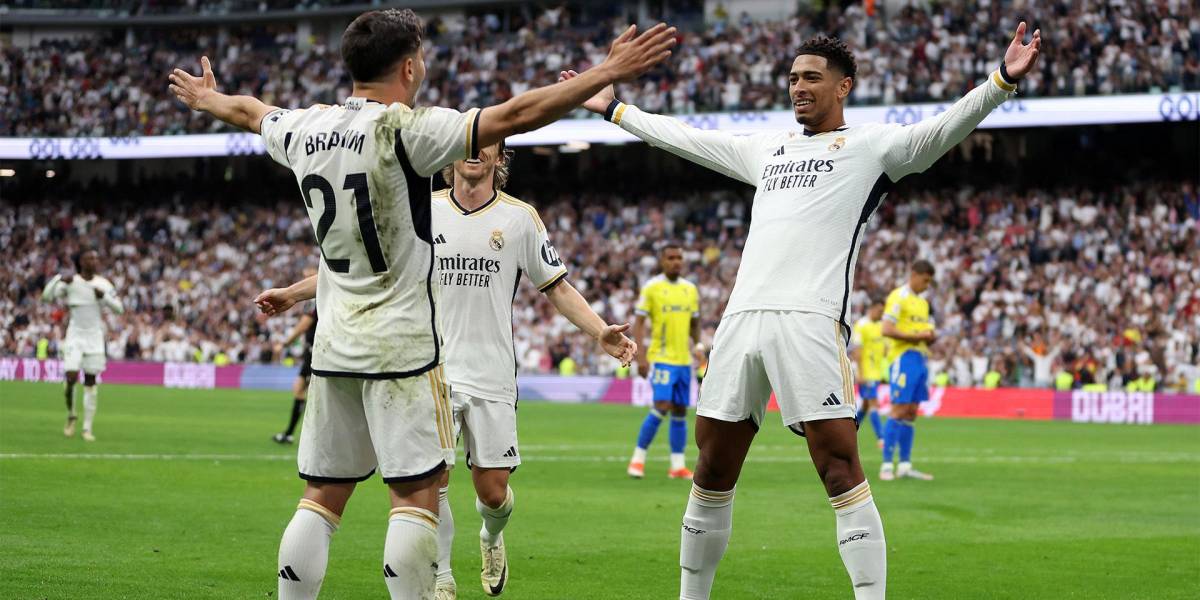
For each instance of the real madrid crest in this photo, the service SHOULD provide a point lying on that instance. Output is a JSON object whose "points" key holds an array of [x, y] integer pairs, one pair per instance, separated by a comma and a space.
{"points": [[497, 241], [837, 144]]}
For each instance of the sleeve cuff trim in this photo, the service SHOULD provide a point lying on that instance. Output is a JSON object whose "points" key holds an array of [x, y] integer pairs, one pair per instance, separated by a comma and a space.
{"points": [[614, 112], [549, 285], [1001, 83]]}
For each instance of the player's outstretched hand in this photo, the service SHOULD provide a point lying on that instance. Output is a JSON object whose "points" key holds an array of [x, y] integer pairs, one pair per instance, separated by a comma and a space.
{"points": [[192, 90], [598, 103], [614, 342], [274, 301], [631, 56], [1020, 57]]}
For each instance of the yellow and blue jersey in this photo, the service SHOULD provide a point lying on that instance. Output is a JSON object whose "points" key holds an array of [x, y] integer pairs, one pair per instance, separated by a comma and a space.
{"points": [[908, 377], [909, 312], [670, 307], [873, 347]]}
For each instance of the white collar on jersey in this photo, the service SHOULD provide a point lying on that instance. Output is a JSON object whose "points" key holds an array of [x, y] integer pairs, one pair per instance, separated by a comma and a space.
{"points": [[357, 103]]}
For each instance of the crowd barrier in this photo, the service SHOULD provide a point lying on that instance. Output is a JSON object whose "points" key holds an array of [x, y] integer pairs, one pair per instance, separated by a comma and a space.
{"points": [[1004, 403]]}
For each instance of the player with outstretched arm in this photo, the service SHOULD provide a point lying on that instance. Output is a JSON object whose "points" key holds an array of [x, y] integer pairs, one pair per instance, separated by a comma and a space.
{"points": [[486, 241], [785, 327], [364, 169]]}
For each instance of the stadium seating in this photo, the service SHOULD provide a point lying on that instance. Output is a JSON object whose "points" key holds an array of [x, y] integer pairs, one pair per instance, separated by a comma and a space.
{"points": [[731, 64], [1105, 277]]}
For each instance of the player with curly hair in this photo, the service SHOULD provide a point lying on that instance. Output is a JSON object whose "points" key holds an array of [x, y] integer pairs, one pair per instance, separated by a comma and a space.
{"points": [[785, 328]]}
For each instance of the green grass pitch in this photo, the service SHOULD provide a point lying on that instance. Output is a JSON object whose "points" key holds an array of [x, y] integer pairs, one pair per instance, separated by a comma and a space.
{"points": [[185, 496]]}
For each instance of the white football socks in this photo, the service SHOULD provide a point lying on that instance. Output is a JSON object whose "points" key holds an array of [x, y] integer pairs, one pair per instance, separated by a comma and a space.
{"points": [[707, 524], [860, 541], [89, 406], [445, 536], [304, 551], [639, 455], [494, 519], [410, 553]]}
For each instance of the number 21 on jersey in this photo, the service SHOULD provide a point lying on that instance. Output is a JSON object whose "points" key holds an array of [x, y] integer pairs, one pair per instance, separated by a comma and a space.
{"points": [[366, 219]]}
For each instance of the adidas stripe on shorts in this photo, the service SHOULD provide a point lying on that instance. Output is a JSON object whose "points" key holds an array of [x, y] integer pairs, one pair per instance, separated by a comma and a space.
{"points": [[488, 430], [353, 427], [801, 356]]}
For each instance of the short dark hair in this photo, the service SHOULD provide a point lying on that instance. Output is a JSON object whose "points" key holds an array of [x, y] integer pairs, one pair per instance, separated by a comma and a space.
{"points": [[77, 257], [835, 52], [670, 245], [923, 267], [377, 40]]}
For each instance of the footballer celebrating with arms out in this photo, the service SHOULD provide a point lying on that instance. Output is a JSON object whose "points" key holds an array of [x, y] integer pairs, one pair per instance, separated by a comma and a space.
{"points": [[378, 399], [785, 327]]}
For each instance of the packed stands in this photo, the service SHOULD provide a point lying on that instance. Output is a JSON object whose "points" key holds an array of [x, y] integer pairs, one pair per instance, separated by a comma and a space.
{"points": [[114, 83], [1102, 283]]}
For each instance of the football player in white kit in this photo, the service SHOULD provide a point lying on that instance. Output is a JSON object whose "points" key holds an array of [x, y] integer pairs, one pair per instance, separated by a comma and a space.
{"points": [[487, 241], [785, 328], [85, 294], [378, 399]]}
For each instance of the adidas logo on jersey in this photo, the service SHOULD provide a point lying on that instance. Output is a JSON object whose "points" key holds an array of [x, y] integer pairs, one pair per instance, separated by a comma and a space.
{"points": [[778, 152], [288, 574], [388, 572], [832, 400], [440, 239], [512, 452]]}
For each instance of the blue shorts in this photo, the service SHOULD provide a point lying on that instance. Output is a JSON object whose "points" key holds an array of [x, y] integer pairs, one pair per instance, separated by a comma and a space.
{"points": [[868, 390], [671, 383], [909, 378]]}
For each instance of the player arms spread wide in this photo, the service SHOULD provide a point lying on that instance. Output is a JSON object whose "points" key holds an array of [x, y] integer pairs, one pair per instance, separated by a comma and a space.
{"points": [[785, 328], [363, 168]]}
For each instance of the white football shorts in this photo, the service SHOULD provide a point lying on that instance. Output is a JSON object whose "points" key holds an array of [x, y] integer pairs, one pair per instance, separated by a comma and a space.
{"points": [[488, 430], [801, 356], [352, 426], [75, 359]]}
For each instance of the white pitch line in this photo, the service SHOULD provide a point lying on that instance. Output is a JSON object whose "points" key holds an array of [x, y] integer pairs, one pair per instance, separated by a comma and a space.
{"points": [[1133, 458]]}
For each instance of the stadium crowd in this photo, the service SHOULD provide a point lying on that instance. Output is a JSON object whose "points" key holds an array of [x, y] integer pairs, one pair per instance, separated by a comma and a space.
{"points": [[1101, 285], [162, 7], [114, 84]]}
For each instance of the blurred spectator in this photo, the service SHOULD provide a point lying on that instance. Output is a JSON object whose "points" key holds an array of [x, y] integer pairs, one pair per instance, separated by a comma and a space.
{"points": [[115, 84], [1101, 284]]}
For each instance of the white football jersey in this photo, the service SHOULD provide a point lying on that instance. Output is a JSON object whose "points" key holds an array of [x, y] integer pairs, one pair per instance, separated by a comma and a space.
{"points": [[364, 172], [86, 328], [482, 255], [815, 193]]}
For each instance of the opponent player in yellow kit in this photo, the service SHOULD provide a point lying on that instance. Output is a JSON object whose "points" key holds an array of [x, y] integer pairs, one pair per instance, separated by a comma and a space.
{"points": [[869, 350], [906, 322], [672, 305]]}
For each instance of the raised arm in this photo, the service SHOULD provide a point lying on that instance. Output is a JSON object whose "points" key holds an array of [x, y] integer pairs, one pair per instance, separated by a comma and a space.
{"points": [[721, 151], [53, 289], [571, 304], [200, 93], [913, 149], [629, 57]]}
